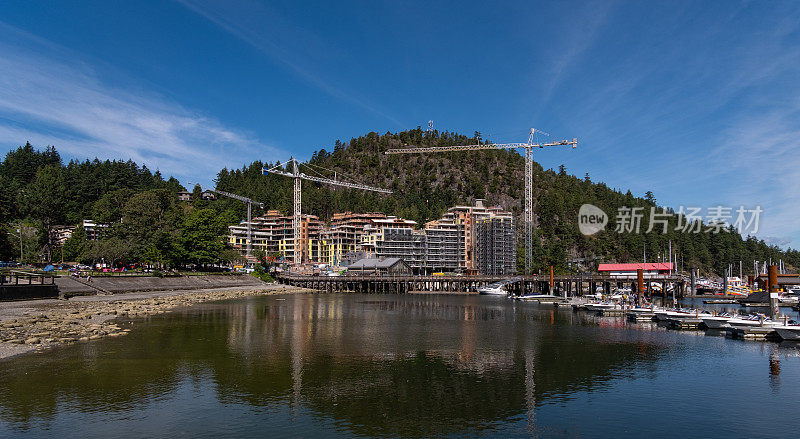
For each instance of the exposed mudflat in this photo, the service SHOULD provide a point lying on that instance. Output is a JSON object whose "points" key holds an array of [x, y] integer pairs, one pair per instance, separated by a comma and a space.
{"points": [[32, 325]]}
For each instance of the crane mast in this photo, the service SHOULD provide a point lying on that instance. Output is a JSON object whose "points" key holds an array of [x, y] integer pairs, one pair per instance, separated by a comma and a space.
{"points": [[528, 146], [249, 203], [296, 217]]}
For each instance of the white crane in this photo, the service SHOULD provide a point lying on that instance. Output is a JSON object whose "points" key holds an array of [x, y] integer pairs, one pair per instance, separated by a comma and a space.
{"points": [[249, 218], [528, 218], [298, 176]]}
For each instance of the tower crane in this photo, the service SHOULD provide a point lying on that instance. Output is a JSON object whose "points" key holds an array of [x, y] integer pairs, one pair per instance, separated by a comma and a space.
{"points": [[528, 147], [249, 219], [298, 176]]}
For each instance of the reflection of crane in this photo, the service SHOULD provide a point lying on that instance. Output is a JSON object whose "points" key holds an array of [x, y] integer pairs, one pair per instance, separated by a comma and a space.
{"points": [[249, 219], [528, 219], [297, 176]]}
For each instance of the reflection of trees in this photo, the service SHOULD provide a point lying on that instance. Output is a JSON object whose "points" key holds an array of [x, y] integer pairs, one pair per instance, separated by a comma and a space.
{"points": [[412, 367]]}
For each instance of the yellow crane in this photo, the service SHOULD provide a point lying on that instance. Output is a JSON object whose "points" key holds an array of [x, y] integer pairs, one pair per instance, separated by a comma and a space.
{"points": [[528, 147]]}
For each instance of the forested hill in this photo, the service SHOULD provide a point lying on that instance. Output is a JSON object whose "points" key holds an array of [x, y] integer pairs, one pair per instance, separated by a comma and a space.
{"points": [[425, 185], [38, 190]]}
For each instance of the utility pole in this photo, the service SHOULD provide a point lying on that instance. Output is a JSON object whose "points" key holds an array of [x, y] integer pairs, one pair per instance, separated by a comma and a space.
{"points": [[528, 147]]}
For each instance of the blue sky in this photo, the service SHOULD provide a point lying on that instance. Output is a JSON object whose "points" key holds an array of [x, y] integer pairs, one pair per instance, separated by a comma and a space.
{"points": [[697, 101]]}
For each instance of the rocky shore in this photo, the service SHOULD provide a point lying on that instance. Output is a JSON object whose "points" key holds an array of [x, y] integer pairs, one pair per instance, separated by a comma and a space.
{"points": [[36, 325]]}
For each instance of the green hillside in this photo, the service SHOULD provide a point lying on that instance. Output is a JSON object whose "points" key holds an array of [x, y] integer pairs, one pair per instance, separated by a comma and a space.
{"points": [[39, 191], [425, 185]]}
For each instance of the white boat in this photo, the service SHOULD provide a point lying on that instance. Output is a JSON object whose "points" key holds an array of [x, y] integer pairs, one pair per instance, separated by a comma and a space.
{"points": [[666, 314], [687, 319], [492, 291], [600, 306], [788, 332], [641, 313], [752, 322], [716, 322], [540, 297], [689, 314]]}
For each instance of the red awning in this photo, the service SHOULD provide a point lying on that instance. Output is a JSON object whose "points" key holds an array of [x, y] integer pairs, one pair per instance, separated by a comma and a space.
{"points": [[650, 266]]}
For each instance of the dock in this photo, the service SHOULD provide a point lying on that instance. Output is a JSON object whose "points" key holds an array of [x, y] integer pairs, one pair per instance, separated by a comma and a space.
{"points": [[563, 286], [611, 312], [687, 323], [753, 333], [640, 316]]}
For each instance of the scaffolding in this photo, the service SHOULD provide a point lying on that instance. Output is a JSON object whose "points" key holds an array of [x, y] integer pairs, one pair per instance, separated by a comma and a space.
{"points": [[495, 246]]}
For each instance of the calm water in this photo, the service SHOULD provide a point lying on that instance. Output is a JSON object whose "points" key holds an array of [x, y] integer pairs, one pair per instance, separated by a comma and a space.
{"points": [[401, 366]]}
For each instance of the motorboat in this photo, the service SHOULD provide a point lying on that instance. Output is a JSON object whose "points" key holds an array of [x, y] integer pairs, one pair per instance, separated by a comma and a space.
{"points": [[753, 321], [717, 322], [663, 315], [491, 290], [688, 316], [736, 287], [641, 313], [602, 306], [540, 297], [789, 331]]}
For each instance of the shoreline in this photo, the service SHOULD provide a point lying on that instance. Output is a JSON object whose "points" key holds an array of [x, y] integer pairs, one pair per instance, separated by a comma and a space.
{"points": [[29, 326]]}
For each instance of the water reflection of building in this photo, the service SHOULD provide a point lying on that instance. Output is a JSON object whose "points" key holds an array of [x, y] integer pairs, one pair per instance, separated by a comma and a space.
{"points": [[402, 366]]}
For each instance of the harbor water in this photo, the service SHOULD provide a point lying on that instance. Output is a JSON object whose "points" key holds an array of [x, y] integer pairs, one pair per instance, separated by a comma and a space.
{"points": [[353, 365]]}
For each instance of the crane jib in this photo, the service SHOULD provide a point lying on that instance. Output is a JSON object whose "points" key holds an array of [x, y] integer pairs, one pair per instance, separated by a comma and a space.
{"points": [[452, 148]]}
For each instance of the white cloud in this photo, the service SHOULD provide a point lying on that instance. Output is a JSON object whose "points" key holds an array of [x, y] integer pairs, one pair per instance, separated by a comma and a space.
{"points": [[49, 101]]}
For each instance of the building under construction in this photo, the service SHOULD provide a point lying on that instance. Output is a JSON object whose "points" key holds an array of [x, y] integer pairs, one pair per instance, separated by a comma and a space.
{"points": [[475, 239], [495, 246], [273, 234]]}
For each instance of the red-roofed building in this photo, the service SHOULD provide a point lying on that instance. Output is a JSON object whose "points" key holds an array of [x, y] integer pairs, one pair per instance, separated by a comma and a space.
{"points": [[629, 270]]}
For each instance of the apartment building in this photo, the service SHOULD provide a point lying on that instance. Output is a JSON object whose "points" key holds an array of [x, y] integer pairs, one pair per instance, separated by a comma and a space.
{"points": [[344, 235], [465, 238], [398, 242], [60, 234], [445, 241], [274, 233], [464, 219], [495, 246], [94, 230]]}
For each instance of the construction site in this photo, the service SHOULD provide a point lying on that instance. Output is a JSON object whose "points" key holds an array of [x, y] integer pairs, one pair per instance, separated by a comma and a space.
{"points": [[467, 240]]}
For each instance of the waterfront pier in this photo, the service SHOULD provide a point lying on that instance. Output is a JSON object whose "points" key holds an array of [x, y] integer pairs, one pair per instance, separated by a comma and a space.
{"points": [[562, 285]]}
